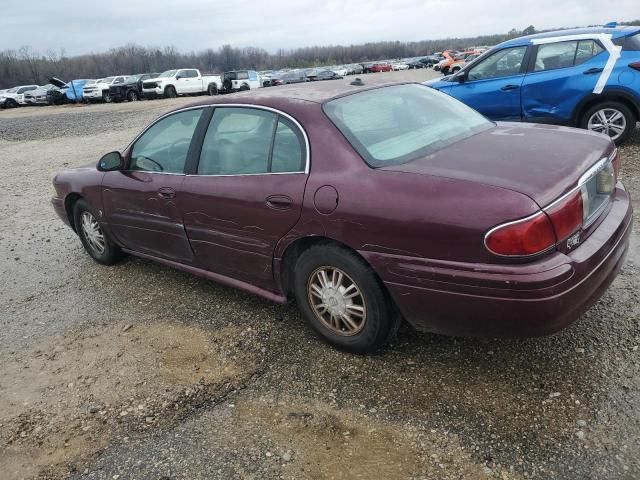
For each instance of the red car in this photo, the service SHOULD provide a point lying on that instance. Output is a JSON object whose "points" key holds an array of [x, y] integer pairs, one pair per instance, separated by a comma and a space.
{"points": [[380, 67], [424, 210]]}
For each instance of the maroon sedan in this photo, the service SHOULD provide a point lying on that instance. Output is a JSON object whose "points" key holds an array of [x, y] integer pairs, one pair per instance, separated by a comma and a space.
{"points": [[367, 204]]}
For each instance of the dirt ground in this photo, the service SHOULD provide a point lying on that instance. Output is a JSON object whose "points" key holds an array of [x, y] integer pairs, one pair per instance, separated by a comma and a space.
{"points": [[138, 371]]}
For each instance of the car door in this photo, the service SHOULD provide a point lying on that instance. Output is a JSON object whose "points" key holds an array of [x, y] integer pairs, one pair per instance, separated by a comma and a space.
{"points": [[492, 86], [246, 191], [560, 75], [141, 201], [184, 84]]}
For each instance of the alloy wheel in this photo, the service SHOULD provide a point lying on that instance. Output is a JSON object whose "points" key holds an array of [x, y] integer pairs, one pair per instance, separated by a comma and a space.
{"points": [[609, 121], [92, 233], [336, 301]]}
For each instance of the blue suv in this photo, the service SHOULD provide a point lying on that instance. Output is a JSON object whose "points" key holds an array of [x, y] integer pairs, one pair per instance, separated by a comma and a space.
{"points": [[588, 78]]}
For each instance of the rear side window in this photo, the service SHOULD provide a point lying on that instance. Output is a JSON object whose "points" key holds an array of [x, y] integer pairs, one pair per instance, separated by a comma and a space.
{"points": [[552, 56], [243, 141], [631, 43], [587, 49]]}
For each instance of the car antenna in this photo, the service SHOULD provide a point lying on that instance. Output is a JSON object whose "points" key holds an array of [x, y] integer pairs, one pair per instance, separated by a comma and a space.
{"points": [[357, 82]]}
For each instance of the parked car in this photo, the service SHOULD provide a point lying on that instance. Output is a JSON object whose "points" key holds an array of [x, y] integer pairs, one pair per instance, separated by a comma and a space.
{"points": [[400, 66], [45, 95], [460, 64], [72, 90], [186, 81], [131, 89], [340, 71], [324, 75], [14, 97], [240, 80], [426, 210], [415, 63], [99, 91], [583, 78], [354, 69], [297, 76], [380, 67]]}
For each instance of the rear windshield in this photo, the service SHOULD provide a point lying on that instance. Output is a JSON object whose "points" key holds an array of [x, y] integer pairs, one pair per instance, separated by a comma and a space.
{"points": [[397, 124]]}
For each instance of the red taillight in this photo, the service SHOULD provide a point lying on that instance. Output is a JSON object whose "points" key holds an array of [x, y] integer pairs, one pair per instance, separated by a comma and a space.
{"points": [[567, 215], [525, 237], [635, 65]]}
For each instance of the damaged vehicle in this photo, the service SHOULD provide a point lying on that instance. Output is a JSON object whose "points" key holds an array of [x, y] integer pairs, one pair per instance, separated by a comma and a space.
{"points": [[424, 211], [131, 89], [14, 97]]}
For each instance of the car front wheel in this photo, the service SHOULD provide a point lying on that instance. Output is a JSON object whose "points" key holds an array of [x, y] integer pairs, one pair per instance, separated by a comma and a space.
{"points": [[94, 238], [343, 300], [614, 119]]}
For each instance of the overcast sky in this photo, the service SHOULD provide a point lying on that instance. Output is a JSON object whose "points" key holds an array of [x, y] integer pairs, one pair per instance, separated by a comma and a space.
{"points": [[93, 26]]}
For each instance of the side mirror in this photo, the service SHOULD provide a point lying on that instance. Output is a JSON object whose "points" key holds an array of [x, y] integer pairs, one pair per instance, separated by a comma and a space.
{"points": [[460, 77], [112, 161]]}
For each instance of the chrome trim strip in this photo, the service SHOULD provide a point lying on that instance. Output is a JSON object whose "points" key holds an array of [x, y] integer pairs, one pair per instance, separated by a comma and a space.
{"points": [[240, 105]]}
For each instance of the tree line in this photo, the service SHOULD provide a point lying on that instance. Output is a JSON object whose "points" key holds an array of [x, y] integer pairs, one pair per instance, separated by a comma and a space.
{"points": [[26, 66]]}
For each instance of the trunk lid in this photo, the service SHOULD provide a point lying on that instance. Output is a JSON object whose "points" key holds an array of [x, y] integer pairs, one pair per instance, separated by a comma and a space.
{"points": [[540, 161]]}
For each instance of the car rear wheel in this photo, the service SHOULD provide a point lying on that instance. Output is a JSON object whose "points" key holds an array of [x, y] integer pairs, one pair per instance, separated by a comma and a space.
{"points": [[343, 300], [132, 96], [94, 238], [212, 89], [614, 119]]}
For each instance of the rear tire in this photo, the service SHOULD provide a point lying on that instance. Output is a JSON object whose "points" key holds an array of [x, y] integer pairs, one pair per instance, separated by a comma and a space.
{"points": [[212, 89], [93, 236], [611, 118], [343, 300]]}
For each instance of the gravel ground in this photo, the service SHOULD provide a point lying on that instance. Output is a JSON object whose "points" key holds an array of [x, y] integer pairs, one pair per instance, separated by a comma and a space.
{"points": [[105, 376]]}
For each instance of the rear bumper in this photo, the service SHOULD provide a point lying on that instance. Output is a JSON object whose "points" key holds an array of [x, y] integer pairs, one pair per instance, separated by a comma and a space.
{"points": [[522, 300]]}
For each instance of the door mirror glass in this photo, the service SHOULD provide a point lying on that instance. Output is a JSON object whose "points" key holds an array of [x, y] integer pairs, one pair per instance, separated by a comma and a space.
{"points": [[110, 162]]}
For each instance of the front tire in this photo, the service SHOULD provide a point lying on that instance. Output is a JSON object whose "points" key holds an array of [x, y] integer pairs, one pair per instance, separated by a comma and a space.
{"points": [[343, 300], [614, 119], [94, 238], [132, 96], [170, 92]]}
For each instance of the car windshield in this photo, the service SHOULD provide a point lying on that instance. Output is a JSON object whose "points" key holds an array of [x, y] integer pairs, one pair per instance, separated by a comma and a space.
{"points": [[168, 73], [397, 124], [107, 80], [12, 90]]}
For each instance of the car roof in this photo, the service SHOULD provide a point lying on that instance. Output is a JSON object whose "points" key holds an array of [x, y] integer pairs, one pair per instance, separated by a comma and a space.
{"points": [[319, 92], [615, 32]]}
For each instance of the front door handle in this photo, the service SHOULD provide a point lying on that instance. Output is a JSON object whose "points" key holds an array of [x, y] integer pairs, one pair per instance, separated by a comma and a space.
{"points": [[507, 88], [166, 193], [279, 202], [593, 70]]}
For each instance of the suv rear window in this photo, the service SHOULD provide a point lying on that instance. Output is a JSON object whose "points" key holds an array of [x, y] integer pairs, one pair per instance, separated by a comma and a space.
{"points": [[397, 124]]}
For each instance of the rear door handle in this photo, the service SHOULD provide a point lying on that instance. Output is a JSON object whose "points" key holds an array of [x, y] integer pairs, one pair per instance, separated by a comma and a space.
{"points": [[279, 202], [506, 88], [166, 192], [592, 71]]}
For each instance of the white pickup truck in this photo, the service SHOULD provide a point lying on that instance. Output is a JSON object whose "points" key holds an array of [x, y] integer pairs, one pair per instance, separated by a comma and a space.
{"points": [[186, 81]]}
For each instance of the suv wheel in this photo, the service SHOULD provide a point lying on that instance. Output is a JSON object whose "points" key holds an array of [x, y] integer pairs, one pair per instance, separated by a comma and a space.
{"points": [[170, 92], [107, 98], [212, 89], [343, 300], [614, 119], [132, 96]]}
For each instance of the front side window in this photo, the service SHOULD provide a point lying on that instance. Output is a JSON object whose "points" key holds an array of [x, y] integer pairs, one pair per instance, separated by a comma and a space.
{"points": [[192, 73], [241, 141], [397, 124], [164, 146], [503, 63]]}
